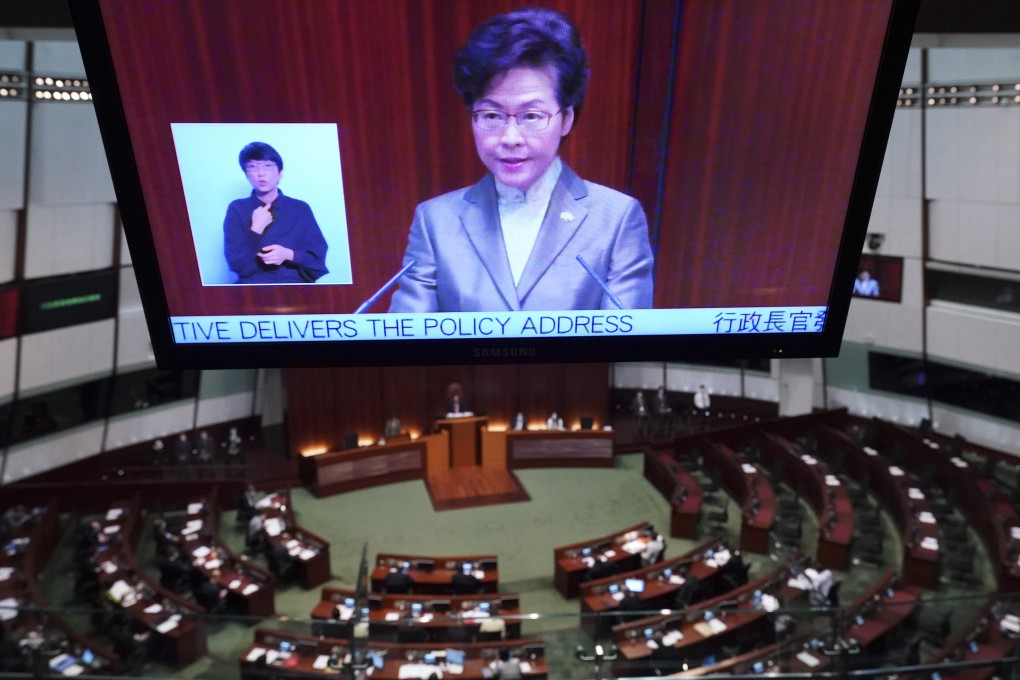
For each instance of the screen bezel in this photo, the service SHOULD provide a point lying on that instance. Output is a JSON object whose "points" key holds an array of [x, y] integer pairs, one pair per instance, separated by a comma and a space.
{"points": [[169, 354]]}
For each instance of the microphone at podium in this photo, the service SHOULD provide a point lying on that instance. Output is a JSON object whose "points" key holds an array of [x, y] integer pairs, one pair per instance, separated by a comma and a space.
{"points": [[385, 287]]}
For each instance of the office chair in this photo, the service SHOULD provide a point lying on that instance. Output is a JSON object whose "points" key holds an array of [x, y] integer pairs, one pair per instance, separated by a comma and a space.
{"points": [[718, 518]]}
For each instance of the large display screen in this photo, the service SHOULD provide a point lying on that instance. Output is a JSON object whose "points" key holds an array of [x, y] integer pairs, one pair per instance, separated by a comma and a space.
{"points": [[308, 183]]}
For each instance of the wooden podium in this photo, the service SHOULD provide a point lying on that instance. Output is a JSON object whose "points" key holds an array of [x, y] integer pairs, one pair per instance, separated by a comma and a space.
{"points": [[465, 439]]}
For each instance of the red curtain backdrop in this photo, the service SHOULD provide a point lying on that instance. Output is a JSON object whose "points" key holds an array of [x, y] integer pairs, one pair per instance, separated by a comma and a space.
{"points": [[766, 123]]}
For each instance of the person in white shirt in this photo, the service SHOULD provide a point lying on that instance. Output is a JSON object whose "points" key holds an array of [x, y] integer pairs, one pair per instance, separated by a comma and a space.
{"points": [[554, 422], [702, 400], [653, 550]]}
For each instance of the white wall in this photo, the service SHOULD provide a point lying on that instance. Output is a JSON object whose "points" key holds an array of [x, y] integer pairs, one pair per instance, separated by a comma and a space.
{"points": [[158, 421], [44, 454], [66, 354]]}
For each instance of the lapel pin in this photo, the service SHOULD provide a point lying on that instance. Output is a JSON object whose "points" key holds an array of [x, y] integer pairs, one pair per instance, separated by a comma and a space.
{"points": [[567, 216]]}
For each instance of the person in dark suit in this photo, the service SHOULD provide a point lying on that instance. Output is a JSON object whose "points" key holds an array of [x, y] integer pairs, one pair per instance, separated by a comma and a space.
{"points": [[165, 539], [601, 569], [628, 608], [212, 594], [281, 563], [463, 582], [88, 539], [173, 571], [688, 593], [399, 581], [247, 504]]}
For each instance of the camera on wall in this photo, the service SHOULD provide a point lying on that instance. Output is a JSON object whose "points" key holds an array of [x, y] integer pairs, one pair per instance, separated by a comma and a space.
{"points": [[875, 241]]}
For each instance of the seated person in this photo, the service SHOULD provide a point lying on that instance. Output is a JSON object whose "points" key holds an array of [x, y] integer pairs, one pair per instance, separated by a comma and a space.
{"points": [[393, 426], [165, 539], [629, 606], [821, 584], [399, 581], [212, 594], [519, 423], [255, 537], [554, 422], [653, 550], [89, 539], [173, 570], [506, 667], [601, 569], [464, 582], [281, 563], [688, 593]]}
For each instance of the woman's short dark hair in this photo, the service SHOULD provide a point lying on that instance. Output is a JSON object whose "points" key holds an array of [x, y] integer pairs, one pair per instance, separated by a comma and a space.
{"points": [[525, 37], [259, 151]]}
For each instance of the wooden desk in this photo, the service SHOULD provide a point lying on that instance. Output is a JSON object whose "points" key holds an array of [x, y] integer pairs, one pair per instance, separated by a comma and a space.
{"points": [[990, 643], [682, 491], [559, 448], [738, 620], [917, 525], [599, 602], [340, 471], [812, 479], [434, 575], [572, 561], [980, 500], [450, 617], [250, 590], [151, 605], [752, 490], [465, 439], [310, 551], [308, 649]]}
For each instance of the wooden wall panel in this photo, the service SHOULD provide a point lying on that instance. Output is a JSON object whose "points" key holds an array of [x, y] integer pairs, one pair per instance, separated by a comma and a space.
{"points": [[762, 150], [325, 404]]}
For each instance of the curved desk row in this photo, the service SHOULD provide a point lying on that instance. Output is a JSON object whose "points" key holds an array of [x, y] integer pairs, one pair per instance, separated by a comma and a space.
{"points": [[25, 555], [812, 479], [669, 641], [991, 636], [447, 617], [751, 489], [309, 551], [979, 499], [881, 610], [682, 491], [279, 654], [619, 551], [600, 599], [434, 575], [173, 620], [906, 503], [250, 587]]}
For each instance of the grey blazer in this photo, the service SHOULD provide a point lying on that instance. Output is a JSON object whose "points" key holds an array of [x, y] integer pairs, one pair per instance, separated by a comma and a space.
{"points": [[461, 264]]}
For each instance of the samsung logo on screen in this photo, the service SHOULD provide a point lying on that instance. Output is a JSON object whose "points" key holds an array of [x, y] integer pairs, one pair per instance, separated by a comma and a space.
{"points": [[505, 352]]}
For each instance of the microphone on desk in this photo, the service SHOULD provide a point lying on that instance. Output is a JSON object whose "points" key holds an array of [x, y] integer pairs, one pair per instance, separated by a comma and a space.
{"points": [[385, 287], [605, 287]]}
